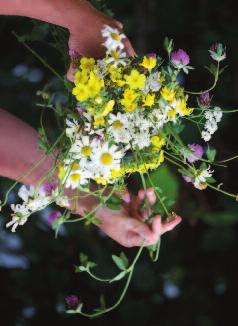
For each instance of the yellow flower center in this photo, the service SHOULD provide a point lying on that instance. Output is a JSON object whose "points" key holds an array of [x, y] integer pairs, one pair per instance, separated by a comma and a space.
{"points": [[117, 124], [115, 36], [75, 166], [86, 150], [75, 177], [115, 55], [106, 159]]}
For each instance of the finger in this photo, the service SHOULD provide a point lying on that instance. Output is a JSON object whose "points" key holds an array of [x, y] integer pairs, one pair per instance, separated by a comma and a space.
{"points": [[170, 225], [141, 194], [151, 196], [134, 208], [129, 48], [118, 24]]}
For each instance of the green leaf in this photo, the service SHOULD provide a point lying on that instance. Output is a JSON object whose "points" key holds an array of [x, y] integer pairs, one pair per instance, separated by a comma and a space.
{"points": [[212, 69], [211, 154], [118, 277], [113, 207], [125, 259], [119, 262], [168, 183], [221, 218], [210, 180], [83, 258]]}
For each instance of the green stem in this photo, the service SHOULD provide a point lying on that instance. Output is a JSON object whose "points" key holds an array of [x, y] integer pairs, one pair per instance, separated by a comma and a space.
{"points": [[222, 191]]}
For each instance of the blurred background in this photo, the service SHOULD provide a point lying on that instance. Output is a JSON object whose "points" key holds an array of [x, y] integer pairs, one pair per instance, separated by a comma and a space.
{"points": [[195, 280]]}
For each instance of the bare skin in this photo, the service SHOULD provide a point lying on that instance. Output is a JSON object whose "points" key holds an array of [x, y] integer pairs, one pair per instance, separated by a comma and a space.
{"points": [[84, 22]]}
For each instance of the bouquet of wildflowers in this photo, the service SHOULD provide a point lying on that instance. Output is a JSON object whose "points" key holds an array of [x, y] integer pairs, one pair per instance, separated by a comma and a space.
{"points": [[125, 116]]}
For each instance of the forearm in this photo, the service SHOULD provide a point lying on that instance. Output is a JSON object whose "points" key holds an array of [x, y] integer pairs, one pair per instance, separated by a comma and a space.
{"points": [[19, 151], [59, 12]]}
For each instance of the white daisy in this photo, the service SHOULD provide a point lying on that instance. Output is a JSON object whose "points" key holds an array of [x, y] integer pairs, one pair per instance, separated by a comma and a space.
{"points": [[113, 38], [73, 127], [104, 159], [116, 57]]}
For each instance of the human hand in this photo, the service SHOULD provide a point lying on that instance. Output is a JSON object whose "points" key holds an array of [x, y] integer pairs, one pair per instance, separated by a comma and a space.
{"points": [[131, 232], [85, 33]]}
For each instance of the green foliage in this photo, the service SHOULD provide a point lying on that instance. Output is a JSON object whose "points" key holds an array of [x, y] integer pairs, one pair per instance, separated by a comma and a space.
{"points": [[211, 154], [168, 186], [221, 219]]}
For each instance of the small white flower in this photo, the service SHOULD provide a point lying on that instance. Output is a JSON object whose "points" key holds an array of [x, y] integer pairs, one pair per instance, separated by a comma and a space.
{"points": [[73, 127], [217, 114], [152, 83], [206, 135], [104, 159], [113, 38], [200, 179], [19, 217], [211, 126], [116, 58]]}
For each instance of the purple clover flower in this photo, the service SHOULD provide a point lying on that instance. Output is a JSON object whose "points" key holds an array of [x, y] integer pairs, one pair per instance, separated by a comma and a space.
{"points": [[72, 301], [53, 216], [205, 99], [73, 54], [197, 153], [48, 187], [180, 58], [152, 55]]}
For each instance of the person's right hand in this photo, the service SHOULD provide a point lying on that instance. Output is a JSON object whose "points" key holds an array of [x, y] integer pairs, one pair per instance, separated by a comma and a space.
{"points": [[131, 232], [85, 33]]}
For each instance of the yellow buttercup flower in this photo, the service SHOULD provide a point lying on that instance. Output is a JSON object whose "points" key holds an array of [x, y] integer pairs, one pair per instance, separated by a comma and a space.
{"points": [[99, 121], [101, 181], [94, 86], [157, 142], [149, 100], [182, 108], [87, 63], [135, 80], [148, 62], [81, 92], [108, 108], [171, 113], [168, 94], [80, 78]]}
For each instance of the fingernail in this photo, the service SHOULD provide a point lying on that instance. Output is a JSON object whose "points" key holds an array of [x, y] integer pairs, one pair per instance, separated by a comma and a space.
{"points": [[127, 198]]}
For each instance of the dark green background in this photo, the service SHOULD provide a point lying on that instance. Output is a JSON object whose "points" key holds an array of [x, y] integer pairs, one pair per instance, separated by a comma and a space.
{"points": [[194, 283]]}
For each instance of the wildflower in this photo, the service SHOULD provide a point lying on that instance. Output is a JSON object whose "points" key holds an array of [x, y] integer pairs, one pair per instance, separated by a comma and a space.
{"points": [[157, 142], [152, 83], [19, 217], [87, 64], [180, 58], [105, 158], [135, 80], [81, 92], [73, 127], [53, 216], [200, 181], [116, 57], [196, 153], [204, 100], [114, 39], [72, 301], [94, 85], [149, 62], [168, 94], [149, 100], [206, 135], [182, 108], [217, 52]]}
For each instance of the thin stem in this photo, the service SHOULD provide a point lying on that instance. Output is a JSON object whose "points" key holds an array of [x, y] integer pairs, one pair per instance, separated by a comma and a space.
{"points": [[222, 191]]}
